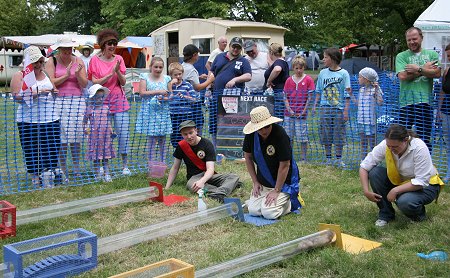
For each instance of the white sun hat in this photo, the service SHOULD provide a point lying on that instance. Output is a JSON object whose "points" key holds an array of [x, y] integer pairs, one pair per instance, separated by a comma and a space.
{"points": [[260, 117], [34, 53], [94, 88], [64, 42]]}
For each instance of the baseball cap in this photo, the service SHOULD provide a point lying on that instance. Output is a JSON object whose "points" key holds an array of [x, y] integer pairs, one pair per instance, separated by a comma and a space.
{"points": [[236, 40], [188, 123], [248, 45], [190, 50]]}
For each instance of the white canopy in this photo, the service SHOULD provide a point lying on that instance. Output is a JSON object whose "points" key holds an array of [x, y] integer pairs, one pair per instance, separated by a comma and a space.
{"points": [[435, 24], [50, 39]]}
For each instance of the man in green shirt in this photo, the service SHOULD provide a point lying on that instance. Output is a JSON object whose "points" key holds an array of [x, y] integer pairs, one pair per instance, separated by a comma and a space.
{"points": [[416, 68]]}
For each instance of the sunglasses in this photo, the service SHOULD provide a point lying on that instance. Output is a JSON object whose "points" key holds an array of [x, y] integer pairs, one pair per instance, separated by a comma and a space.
{"points": [[236, 46], [111, 42], [250, 52]]}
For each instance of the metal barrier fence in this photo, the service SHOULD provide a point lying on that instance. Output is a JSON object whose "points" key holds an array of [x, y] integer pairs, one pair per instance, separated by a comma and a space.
{"points": [[69, 141]]}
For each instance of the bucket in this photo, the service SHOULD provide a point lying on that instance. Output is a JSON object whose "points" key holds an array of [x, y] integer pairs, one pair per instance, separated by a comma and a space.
{"points": [[156, 169]]}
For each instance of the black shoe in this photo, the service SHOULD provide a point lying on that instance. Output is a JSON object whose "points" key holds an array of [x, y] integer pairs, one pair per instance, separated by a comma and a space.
{"points": [[219, 198]]}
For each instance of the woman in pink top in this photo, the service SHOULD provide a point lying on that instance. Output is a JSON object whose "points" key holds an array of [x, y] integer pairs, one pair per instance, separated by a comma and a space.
{"points": [[108, 69], [68, 74]]}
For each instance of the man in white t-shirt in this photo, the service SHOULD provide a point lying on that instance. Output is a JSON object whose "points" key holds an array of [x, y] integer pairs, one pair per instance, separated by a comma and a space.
{"points": [[222, 42], [259, 63]]}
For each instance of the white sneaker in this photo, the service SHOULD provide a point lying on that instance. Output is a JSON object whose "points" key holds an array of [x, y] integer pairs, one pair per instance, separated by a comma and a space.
{"points": [[126, 172], [381, 223], [107, 178], [101, 172]]}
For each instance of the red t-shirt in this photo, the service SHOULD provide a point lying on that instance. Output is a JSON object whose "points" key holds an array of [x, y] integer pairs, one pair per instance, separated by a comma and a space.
{"points": [[297, 93]]}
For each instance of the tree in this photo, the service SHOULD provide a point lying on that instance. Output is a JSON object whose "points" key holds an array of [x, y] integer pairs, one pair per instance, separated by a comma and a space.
{"points": [[20, 20], [139, 18], [75, 16]]}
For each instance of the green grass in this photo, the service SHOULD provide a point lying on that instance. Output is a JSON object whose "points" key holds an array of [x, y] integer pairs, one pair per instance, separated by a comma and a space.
{"points": [[331, 196]]}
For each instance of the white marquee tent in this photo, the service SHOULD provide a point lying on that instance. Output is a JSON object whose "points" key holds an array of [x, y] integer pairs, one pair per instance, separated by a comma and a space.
{"points": [[435, 25]]}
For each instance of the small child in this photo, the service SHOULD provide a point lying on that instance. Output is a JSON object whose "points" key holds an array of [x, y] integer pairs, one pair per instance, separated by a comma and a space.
{"points": [[181, 98], [369, 95], [99, 131], [153, 119], [297, 91]]}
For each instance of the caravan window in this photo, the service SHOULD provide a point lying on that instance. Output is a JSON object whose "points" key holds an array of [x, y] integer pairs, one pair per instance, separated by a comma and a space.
{"points": [[16, 60], [203, 44]]}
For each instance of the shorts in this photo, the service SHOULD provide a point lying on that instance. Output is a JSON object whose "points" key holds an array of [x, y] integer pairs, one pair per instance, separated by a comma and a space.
{"points": [[296, 128]]}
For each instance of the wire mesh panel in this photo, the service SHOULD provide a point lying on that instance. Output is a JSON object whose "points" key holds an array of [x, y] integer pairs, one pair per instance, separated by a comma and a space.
{"points": [[57, 255]]}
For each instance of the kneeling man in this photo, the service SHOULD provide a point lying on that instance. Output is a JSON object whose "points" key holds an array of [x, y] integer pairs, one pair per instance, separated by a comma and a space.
{"points": [[276, 182], [199, 155]]}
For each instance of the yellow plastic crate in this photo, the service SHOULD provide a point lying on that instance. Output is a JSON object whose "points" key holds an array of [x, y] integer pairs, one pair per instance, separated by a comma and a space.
{"points": [[171, 268]]}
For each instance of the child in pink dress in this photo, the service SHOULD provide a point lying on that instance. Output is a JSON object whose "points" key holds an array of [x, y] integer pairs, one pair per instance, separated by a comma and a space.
{"points": [[99, 131]]}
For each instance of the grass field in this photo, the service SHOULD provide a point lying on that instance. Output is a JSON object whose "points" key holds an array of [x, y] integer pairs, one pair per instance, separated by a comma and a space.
{"points": [[331, 196]]}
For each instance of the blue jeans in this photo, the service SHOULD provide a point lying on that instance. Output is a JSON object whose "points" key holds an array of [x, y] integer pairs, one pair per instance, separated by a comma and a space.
{"points": [[122, 129], [412, 204]]}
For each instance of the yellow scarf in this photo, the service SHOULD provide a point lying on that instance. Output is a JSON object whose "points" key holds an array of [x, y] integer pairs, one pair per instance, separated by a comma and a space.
{"points": [[395, 178]]}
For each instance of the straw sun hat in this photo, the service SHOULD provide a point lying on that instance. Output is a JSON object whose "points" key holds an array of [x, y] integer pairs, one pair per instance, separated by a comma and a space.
{"points": [[34, 53], [260, 117]]}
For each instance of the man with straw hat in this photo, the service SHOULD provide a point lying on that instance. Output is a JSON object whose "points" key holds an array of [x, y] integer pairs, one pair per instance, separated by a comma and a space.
{"points": [[276, 182]]}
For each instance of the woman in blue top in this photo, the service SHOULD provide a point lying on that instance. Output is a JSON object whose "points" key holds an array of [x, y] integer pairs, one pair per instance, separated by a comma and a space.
{"points": [[276, 76]]}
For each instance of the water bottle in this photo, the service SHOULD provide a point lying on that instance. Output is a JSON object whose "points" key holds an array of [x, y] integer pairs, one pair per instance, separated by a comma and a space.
{"points": [[48, 178], [434, 256], [208, 94], [201, 204]]}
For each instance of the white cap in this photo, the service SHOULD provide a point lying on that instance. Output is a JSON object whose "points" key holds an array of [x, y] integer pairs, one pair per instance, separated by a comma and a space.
{"points": [[94, 88], [369, 74]]}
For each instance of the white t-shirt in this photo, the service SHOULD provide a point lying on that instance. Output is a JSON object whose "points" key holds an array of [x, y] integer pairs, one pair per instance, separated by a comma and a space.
{"points": [[259, 65], [190, 74], [367, 100], [43, 109], [214, 54]]}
